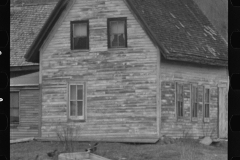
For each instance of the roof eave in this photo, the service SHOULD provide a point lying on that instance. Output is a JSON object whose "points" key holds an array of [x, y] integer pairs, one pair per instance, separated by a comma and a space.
{"points": [[32, 54], [206, 61], [165, 52]]}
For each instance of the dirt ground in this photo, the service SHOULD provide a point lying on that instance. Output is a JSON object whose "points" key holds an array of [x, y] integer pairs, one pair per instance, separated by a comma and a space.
{"points": [[177, 150]]}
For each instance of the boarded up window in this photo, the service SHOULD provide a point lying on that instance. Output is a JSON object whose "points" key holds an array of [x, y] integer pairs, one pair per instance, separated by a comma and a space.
{"points": [[117, 33], [194, 102], [14, 107], [76, 101], [206, 103], [179, 98], [79, 35]]}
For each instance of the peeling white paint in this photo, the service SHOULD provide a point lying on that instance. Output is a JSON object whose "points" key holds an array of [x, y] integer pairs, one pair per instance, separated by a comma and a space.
{"points": [[181, 24], [210, 31], [212, 50], [172, 15]]}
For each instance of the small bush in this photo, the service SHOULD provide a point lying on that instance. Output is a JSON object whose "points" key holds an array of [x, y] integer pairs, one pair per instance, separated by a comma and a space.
{"points": [[67, 135]]}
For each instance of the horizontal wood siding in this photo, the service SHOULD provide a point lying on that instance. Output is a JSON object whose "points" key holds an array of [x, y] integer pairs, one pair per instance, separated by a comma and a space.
{"points": [[187, 74], [29, 115], [121, 83]]}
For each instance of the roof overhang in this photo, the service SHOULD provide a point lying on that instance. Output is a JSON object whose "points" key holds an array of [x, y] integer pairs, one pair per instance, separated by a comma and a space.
{"points": [[24, 68], [25, 80]]}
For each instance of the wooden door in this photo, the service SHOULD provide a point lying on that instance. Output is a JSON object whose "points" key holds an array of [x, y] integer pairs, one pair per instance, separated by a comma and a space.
{"points": [[223, 112]]}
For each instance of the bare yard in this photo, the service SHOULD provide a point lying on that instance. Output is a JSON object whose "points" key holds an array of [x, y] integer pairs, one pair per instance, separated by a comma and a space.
{"points": [[178, 150]]}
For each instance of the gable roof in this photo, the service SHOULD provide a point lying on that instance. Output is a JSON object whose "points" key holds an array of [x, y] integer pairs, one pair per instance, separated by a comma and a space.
{"points": [[178, 27], [182, 31], [25, 24]]}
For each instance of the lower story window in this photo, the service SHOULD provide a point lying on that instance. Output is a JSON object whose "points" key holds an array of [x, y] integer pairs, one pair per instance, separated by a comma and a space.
{"points": [[206, 103], [194, 101], [77, 101], [179, 98], [14, 107]]}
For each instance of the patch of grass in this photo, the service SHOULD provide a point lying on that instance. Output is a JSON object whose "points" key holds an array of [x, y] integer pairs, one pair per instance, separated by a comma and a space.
{"points": [[123, 151]]}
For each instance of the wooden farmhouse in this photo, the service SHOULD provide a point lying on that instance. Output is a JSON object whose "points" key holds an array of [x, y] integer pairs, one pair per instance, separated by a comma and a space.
{"points": [[125, 70]]}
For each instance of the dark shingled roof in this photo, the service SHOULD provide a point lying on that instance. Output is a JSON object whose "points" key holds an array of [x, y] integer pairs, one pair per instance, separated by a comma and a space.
{"points": [[182, 31], [25, 24], [178, 27]]}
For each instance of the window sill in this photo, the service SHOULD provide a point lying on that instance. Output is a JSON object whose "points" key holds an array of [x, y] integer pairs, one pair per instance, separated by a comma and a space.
{"points": [[76, 120], [194, 119], [117, 48], [79, 50], [180, 119], [206, 120]]}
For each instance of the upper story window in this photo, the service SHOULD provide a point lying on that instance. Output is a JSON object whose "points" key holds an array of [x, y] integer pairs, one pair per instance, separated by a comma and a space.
{"points": [[79, 35], [14, 107], [179, 98], [117, 32]]}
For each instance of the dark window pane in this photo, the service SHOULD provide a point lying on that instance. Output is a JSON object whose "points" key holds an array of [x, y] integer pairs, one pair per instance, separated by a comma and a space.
{"points": [[80, 108], [193, 93], [121, 40], [80, 92], [14, 112], [207, 110], [14, 99], [80, 43], [73, 108], [207, 91], [181, 92], [114, 40], [73, 95], [14, 119], [14, 115], [195, 110], [181, 108], [196, 97]]}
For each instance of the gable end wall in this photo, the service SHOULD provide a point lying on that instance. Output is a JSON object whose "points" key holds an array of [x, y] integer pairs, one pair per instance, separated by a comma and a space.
{"points": [[121, 83]]}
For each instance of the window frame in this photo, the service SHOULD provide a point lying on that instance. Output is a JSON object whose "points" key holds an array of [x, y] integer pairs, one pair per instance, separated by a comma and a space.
{"points": [[177, 112], [77, 118], [71, 34], [206, 119], [16, 123], [194, 101], [109, 20]]}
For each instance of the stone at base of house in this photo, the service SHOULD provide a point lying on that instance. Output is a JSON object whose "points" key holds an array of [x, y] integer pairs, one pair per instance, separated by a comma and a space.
{"points": [[206, 141]]}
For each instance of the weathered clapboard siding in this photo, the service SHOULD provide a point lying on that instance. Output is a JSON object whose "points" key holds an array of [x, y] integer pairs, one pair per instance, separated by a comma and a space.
{"points": [[121, 83], [186, 73], [28, 115], [223, 112]]}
